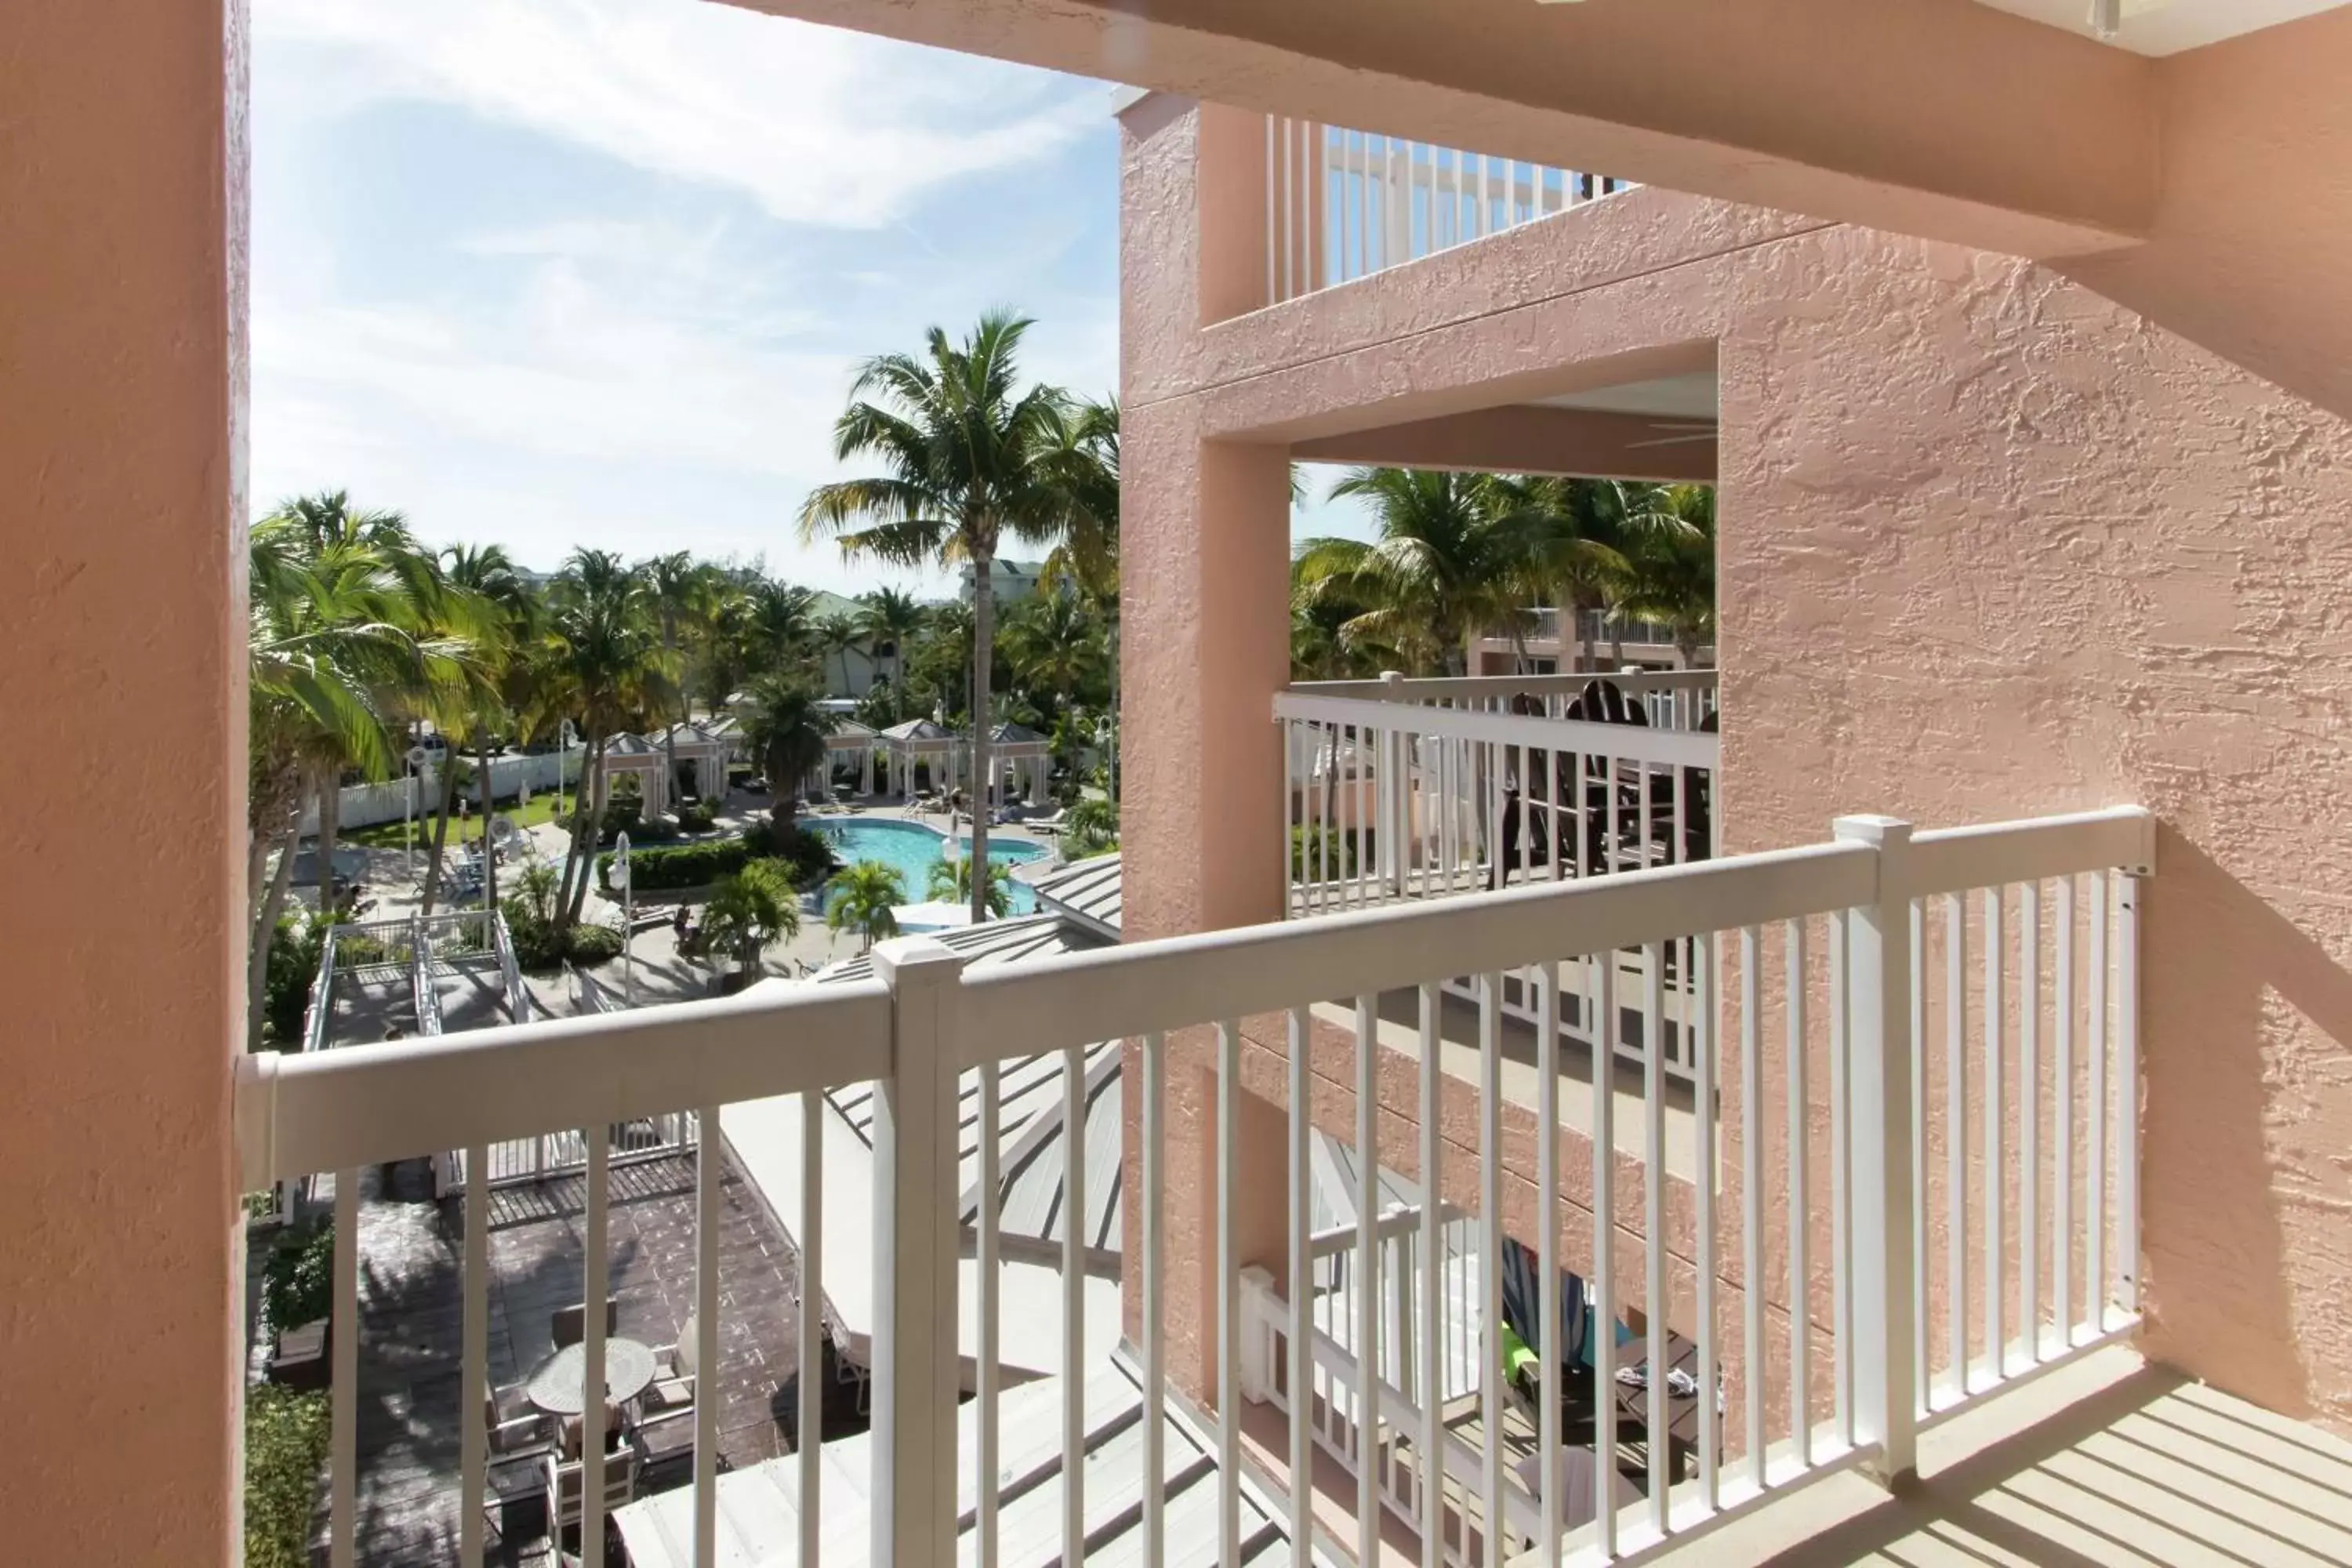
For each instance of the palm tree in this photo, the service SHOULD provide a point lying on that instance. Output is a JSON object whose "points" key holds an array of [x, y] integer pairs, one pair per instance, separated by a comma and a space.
{"points": [[1448, 561], [862, 898], [504, 612], [780, 628], [1053, 643], [952, 880], [889, 614], [1668, 571], [836, 634], [1085, 551], [674, 586], [967, 460], [751, 910], [786, 727], [334, 630], [601, 658]]}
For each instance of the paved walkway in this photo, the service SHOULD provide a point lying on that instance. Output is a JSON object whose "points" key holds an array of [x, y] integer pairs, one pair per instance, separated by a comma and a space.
{"points": [[411, 1306]]}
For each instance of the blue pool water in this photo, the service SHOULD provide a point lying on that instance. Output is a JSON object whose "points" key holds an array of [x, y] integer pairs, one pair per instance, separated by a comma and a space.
{"points": [[914, 849]]}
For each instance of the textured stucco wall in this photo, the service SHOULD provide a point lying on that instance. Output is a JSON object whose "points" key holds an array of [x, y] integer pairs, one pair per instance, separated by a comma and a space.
{"points": [[1993, 544], [121, 422]]}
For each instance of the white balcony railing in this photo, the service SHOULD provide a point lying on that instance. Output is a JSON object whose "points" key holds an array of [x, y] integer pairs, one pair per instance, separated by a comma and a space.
{"points": [[1986, 1148], [1343, 204]]}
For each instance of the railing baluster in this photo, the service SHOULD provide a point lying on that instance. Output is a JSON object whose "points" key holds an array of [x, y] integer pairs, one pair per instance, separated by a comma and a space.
{"points": [[1230, 1328], [986, 1466], [1490, 1259], [1272, 215], [474, 1356], [343, 1417], [1653, 1192], [2061, 1173], [594, 1384], [808, 1436], [1551, 1346], [1301, 1287], [1074, 1304], [1800, 1214], [709, 1157], [1956, 1132], [1841, 1186], [2094, 1214], [1155, 1287], [1995, 1186], [1918, 1049], [1751, 1152], [2128, 895], [1367, 1292], [1431, 1437], [1604, 1272], [1701, 974], [2029, 1118]]}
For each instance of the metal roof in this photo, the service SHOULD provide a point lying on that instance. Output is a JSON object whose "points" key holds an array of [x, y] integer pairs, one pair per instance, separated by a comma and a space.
{"points": [[1032, 1163], [1087, 891]]}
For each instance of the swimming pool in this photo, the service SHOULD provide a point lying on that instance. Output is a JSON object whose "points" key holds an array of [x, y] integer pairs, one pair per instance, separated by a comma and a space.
{"points": [[913, 849]]}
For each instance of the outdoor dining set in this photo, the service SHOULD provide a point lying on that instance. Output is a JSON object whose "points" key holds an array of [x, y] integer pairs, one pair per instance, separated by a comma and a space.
{"points": [[538, 1474]]}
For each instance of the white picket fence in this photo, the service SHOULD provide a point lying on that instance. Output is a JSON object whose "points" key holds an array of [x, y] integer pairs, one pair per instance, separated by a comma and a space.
{"points": [[366, 805]]}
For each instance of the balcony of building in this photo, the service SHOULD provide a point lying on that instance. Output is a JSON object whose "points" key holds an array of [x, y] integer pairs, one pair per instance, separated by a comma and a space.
{"points": [[1891, 1177]]}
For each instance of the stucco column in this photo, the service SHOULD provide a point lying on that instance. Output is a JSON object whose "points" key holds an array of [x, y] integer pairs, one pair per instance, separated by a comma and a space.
{"points": [[122, 488]]}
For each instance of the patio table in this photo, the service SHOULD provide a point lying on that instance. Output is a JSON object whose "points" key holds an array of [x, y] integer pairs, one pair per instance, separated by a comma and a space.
{"points": [[557, 1387]]}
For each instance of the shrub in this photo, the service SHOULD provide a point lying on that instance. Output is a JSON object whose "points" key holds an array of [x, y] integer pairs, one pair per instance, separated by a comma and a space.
{"points": [[593, 945], [1093, 828], [293, 968], [678, 866], [1307, 846], [697, 817], [286, 1438], [809, 854], [297, 1277]]}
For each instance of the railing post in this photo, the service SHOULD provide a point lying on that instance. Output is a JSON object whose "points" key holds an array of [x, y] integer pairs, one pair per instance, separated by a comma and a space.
{"points": [[1881, 1233], [1394, 791], [917, 1363], [1256, 1364]]}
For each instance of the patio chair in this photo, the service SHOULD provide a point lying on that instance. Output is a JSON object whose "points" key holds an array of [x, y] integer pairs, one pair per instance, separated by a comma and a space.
{"points": [[566, 1490], [673, 1387], [569, 1324]]}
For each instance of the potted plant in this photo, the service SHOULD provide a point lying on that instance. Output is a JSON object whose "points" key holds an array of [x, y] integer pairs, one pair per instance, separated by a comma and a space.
{"points": [[298, 1298]]}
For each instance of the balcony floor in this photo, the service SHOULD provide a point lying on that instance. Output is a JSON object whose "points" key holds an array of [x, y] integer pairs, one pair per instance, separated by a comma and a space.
{"points": [[2109, 1463]]}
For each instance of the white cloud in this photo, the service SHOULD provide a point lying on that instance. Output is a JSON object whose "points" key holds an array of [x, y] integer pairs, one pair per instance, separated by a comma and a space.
{"points": [[820, 126]]}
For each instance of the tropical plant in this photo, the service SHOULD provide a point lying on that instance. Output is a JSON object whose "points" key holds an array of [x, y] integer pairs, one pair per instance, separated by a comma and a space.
{"points": [[967, 459], [286, 1433], [501, 613], [297, 1277], [1451, 557], [750, 912], [1092, 828], [836, 634], [786, 725], [1085, 551], [1668, 571], [892, 616], [1053, 642], [951, 881], [780, 628], [862, 898]]}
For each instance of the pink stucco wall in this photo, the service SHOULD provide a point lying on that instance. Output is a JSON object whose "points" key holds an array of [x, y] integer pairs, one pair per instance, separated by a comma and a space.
{"points": [[1992, 544], [121, 681]]}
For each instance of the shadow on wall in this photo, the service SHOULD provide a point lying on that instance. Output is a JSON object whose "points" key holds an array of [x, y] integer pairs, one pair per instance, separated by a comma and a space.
{"points": [[2219, 964]]}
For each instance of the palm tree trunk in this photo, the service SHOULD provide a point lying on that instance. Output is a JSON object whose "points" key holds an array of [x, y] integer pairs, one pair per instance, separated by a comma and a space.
{"points": [[265, 930], [441, 827], [330, 815], [983, 659], [568, 899]]}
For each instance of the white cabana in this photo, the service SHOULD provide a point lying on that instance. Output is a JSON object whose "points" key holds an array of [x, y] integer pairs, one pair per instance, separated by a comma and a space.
{"points": [[921, 740], [636, 756], [704, 749], [856, 742], [1022, 757]]}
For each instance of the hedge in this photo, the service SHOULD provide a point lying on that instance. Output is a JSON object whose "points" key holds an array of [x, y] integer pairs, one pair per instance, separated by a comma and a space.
{"points": [[666, 867], [286, 1435]]}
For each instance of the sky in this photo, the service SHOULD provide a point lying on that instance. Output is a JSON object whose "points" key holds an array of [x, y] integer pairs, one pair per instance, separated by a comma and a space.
{"points": [[555, 272]]}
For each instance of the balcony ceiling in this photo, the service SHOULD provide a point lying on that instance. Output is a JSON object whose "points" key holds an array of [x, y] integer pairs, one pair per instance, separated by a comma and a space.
{"points": [[1690, 395], [2169, 26]]}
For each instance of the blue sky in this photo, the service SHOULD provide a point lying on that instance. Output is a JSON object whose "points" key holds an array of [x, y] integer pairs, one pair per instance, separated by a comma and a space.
{"points": [[547, 272]]}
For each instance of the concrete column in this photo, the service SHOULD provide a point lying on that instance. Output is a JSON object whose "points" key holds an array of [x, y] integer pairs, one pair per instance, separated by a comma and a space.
{"points": [[122, 484]]}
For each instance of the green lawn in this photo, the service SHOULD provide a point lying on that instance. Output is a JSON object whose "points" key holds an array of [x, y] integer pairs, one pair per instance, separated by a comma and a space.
{"points": [[388, 835]]}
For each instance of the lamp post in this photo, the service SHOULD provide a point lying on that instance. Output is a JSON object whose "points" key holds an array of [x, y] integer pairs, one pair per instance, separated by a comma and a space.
{"points": [[628, 920], [409, 765]]}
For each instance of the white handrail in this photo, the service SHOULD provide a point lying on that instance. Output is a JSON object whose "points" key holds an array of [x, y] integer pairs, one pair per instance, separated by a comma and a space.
{"points": [[1625, 948]]}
